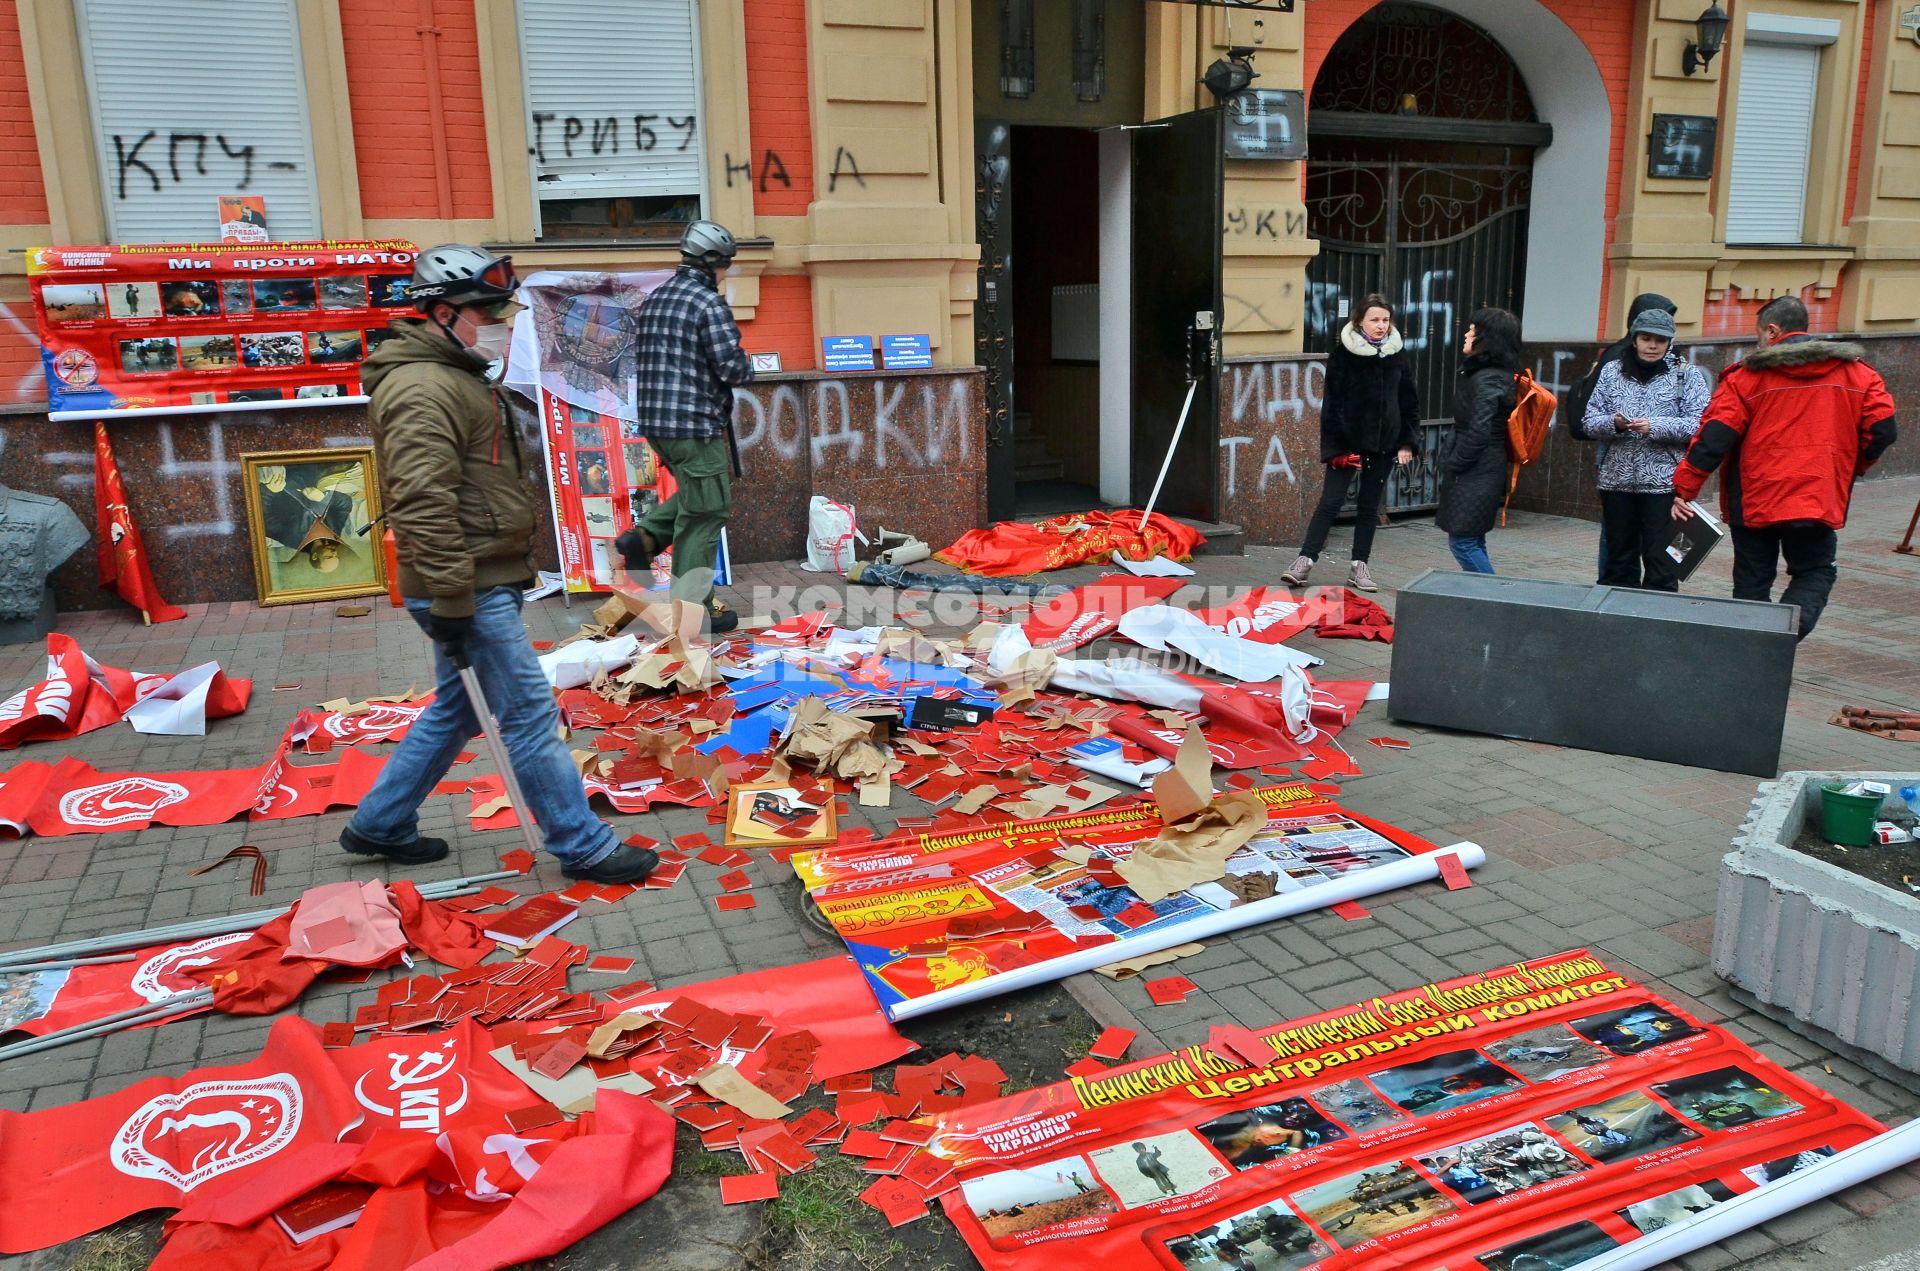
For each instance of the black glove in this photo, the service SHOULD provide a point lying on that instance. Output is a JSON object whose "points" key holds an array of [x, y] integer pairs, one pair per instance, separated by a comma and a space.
{"points": [[449, 633], [636, 549]]}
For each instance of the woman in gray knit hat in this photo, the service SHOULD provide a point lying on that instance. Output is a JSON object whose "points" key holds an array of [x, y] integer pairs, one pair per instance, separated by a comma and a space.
{"points": [[1644, 410]]}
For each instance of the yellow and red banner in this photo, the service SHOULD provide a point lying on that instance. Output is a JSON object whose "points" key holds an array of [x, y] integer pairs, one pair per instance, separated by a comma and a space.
{"points": [[187, 327], [937, 920], [1536, 1115]]}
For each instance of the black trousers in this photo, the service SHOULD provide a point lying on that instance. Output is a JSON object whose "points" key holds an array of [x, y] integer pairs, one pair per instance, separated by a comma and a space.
{"points": [[1333, 493], [1809, 549], [1631, 531]]}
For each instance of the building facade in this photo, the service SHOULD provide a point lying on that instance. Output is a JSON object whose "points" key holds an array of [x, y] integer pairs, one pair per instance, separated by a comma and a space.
{"points": [[994, 175]]}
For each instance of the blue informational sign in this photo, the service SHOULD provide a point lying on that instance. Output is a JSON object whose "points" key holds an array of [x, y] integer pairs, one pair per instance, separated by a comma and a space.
{"points": [[906, 352], [846, 352]]}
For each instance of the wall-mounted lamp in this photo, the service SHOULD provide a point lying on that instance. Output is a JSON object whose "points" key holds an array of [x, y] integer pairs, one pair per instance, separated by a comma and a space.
{"points": [[1711, 27], [1230, 74]]}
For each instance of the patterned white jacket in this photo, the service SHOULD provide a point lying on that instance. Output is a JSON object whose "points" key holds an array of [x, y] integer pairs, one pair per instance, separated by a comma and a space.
{"points": [[1671, 402]]}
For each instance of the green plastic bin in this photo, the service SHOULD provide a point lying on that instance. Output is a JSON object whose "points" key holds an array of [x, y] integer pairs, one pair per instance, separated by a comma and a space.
{"points": [[1847, 819]]}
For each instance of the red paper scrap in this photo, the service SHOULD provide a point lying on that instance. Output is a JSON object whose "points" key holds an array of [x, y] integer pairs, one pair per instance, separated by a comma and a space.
{"points": [[736, 880], [519, 860], [1113, 1044], [641, 840], [1391, 743], [736, 1189], [864, 1143], [736, 900], [1351, 910], [1453, 872], [852, 1082], [581, 892], [1085, 1068], [1172, 989], [1237, 1041]]}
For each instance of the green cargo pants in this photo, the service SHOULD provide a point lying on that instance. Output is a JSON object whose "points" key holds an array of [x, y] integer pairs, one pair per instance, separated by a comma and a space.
{"points": [[690, 522]]}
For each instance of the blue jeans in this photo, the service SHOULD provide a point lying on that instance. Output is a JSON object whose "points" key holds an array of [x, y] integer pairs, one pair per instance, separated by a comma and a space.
{"points": [[1470, 552], [520, 696]]}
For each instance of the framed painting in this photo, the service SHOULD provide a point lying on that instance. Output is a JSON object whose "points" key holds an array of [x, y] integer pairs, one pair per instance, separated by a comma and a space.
{"points": [[306, 510]]}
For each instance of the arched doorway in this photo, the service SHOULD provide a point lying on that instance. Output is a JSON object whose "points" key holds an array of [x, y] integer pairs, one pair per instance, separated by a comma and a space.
{"points": [[1422, 134]]}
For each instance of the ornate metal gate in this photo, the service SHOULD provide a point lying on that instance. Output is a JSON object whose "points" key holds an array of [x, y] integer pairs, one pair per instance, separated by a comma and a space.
{"points": [[1422, 139]]}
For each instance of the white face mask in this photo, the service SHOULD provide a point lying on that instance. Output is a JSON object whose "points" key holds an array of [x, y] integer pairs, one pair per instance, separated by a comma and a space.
{"points": [[493, 342]]}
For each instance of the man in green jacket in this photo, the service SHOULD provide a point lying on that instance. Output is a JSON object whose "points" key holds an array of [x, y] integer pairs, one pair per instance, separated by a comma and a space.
{"points": [[454, 485]]}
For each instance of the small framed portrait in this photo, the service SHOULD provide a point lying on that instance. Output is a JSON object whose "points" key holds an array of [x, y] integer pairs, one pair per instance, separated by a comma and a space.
{"points": [[305, 513]]}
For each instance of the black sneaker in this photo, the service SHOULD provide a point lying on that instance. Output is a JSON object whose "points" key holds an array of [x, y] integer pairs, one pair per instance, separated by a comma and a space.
{"points": [[723, 618], [422, 851], [622, 865]]}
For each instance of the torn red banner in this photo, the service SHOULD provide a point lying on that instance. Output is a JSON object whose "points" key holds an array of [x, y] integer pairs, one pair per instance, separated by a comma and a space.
{"points": [[1265, 615], [79, 695], [1086, 613], [321, 731], [72, 797]]}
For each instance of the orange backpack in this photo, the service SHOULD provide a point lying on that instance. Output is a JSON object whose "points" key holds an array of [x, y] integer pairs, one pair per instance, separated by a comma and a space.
{"points": [[1533, 408]]}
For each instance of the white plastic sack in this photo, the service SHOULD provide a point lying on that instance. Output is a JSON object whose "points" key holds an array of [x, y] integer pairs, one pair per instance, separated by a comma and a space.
{"points": [[831, 534]]}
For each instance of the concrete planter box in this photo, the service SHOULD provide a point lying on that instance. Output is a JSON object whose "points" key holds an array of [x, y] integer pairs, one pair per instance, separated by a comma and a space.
{"points": [[1815, 943]]}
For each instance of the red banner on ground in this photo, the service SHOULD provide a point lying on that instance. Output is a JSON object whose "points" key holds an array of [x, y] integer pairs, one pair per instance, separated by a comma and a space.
{"points": [[1014, 547], [121, 551], [938, 920], [74, 1169], [1086, 613], [1531, 1116], [47, 1001], [212, 325], [71, 797]]}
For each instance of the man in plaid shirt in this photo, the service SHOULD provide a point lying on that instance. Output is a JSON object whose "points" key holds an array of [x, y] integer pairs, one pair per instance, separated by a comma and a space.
{"points": [[689, 361]]}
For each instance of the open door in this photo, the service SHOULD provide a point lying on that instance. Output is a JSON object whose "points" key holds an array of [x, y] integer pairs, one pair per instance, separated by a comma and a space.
{"points": [[1177, 223]]}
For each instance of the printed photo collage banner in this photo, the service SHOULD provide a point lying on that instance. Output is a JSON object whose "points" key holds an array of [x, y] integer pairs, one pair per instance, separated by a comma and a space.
{"points": [[936, 920], [1525, 1119], [178, 327]]}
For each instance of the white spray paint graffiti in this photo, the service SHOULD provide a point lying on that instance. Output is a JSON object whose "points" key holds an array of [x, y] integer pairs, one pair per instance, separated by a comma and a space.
{"points": [[1260, 396], [915, 423]]}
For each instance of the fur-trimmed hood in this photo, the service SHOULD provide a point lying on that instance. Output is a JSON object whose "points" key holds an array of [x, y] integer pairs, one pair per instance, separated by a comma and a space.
{"points": [[1356, 344], [1797, 352]]}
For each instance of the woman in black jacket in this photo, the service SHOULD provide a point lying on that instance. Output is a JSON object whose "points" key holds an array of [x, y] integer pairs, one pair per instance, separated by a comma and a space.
{"points": [[1369, 416], [1473, 477]]}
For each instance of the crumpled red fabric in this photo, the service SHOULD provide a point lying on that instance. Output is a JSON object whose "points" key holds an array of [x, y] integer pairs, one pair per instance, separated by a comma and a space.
{"points": [[1014, 547], [1349, 616], [440, 931]]}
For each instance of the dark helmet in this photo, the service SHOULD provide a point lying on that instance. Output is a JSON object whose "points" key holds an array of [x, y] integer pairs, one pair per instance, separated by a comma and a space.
{"points": [[458, 274], [708, 243]]}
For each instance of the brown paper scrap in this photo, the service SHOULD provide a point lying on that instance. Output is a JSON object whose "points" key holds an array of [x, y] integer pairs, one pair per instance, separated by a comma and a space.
{"points": [[1185, 788], [975, 799], [1196, 850], [1127, 968], [724, 1082]]}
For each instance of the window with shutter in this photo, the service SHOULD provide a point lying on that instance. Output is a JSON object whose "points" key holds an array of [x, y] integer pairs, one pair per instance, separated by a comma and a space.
{"points": [[1773, 137], [194, 99], [613, 115]]}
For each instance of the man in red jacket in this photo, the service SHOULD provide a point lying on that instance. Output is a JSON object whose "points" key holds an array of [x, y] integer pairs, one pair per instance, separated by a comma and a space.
{"points": [[1801, 420]]}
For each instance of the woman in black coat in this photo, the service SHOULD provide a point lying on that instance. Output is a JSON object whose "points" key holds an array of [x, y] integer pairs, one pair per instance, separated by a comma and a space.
{"points": [[1473, 476], [1369, 418]]}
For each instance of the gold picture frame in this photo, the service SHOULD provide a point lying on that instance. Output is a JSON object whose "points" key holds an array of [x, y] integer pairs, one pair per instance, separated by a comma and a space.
{"points": [[305, 511]]}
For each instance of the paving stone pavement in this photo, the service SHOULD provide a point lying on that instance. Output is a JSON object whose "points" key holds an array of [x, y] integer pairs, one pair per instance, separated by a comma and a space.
{"points": [[1585, 849]]}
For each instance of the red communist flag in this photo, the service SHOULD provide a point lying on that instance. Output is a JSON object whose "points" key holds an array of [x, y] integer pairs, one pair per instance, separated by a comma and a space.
{"points": [[123, 557], [73, 1169]]}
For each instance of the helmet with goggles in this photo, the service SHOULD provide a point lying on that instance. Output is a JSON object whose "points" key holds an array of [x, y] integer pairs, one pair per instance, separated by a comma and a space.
{"points": [[460, 275]]}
